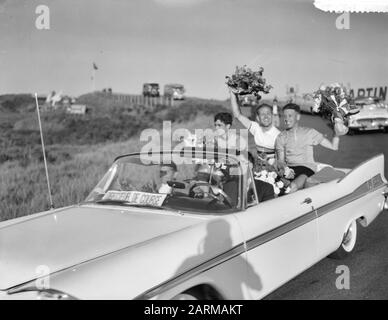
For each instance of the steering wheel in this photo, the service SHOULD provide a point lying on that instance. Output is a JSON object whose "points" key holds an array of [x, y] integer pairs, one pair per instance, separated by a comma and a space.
{"points": [[226, 199]]}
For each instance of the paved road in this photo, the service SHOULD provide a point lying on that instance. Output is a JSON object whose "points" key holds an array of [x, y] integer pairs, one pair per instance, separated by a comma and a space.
{"points": [[368, 264], [368, 267]]}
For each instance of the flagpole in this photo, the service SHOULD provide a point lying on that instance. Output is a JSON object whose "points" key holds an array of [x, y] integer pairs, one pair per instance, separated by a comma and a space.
{"points": [[94, 79]]}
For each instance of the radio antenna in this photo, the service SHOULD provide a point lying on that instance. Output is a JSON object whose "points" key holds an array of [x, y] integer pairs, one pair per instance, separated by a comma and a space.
{"points": [[44, 152]]}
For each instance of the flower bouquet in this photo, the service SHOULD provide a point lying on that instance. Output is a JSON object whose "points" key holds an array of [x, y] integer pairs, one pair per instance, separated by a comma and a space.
{"points": [[334, 102], [269, 171], [271, 177], [245, 81]]}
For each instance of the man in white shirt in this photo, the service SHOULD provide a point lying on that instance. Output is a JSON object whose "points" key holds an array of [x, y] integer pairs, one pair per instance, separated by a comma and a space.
{"points": [[262, 129]]}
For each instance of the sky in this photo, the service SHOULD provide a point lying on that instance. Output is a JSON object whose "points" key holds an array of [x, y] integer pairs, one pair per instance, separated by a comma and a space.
{"points": [[193, 42]]}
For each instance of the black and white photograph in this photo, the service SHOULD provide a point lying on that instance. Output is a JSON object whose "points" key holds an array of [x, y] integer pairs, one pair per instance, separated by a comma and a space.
{"points": [[215, 150]]}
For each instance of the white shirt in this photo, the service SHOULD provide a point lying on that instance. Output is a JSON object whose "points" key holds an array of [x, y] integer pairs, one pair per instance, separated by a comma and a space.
{"points": [[264, 138]]}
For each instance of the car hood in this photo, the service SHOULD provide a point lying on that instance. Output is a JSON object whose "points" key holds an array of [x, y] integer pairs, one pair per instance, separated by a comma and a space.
{"points": [[59, 240]]}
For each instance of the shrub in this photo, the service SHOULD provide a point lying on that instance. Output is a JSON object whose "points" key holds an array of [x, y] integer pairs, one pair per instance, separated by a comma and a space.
{"points": [[190, 109], [16, 102]]}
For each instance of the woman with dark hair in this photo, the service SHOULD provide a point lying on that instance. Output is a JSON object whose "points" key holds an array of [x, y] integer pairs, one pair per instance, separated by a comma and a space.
{"points": [[224, 136]]}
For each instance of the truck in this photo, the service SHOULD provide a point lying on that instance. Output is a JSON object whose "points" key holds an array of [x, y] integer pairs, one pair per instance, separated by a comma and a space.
{"points": [[151, 90], [175, 91]]}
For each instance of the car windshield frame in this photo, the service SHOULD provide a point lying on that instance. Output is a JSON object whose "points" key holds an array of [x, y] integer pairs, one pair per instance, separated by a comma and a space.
{"points": [[175, 201]]}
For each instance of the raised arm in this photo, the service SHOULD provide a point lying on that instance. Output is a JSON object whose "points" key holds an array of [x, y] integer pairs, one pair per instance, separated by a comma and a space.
{"points": [[236, 110], [332, 145]]}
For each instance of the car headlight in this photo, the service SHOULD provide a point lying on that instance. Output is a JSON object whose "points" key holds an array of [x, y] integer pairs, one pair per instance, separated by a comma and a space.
{"points": [[32, 293], [385, 194]]}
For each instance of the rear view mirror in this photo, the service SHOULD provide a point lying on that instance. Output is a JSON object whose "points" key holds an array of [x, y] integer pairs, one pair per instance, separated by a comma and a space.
{"points": [[176, 184]]}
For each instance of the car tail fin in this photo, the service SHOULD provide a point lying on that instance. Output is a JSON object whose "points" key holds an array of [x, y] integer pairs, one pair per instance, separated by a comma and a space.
{"points": [[369, 170]]}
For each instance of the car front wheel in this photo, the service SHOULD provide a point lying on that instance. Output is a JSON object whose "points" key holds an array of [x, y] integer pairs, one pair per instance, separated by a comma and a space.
{"points": [[348, 242]]}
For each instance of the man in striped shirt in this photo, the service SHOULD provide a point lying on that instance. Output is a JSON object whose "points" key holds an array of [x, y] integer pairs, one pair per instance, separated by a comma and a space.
{"points": [[262, 129]]}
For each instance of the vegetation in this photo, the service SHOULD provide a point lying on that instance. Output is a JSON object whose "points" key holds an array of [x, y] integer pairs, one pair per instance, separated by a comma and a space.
{"points": [[79, 148]]}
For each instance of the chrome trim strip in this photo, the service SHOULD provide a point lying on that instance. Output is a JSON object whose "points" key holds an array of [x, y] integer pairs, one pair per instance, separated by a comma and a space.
{"points": [[50, 293], [367, 187], [209, 264], [279, 231]]}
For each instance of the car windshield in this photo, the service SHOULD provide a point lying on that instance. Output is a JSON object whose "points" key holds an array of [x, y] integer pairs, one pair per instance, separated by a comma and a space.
{"points": [[201, 183]]}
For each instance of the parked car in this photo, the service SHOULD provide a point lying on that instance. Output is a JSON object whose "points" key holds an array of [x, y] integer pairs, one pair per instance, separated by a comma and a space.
{"points": [[205, 236], [174, 91], [151, 90], [373, 115]]}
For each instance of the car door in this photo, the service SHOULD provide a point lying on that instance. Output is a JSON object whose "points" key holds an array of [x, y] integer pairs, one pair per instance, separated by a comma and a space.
{"points": [[280, 238]]}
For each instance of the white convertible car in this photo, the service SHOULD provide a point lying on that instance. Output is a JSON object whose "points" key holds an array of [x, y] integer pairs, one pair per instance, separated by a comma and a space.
{"points": [[373, 115], [185, 225]]}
